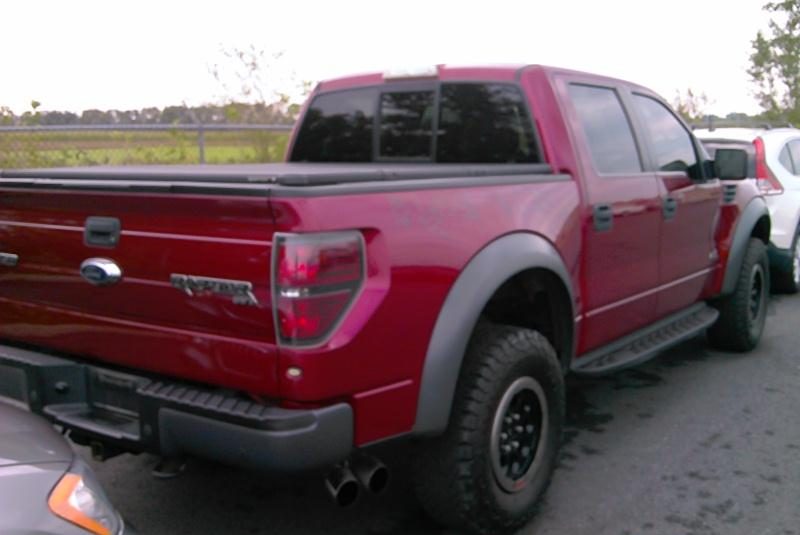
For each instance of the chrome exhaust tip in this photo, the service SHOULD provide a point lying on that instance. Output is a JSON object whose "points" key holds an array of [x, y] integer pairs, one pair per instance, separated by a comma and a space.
{"points": [[342, 486], [371, 473]]}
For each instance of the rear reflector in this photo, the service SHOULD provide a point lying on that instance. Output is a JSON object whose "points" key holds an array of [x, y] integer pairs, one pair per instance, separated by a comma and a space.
{"points": [[315, 279], [766, 180]]}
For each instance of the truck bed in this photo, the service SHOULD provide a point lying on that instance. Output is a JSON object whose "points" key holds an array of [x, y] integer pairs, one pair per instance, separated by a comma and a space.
{"points": [[163, 177], [212, 221]]}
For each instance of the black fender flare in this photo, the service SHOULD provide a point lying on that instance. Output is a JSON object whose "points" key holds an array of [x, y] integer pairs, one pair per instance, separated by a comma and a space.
{"points": [[752, 213], [475, 285]]}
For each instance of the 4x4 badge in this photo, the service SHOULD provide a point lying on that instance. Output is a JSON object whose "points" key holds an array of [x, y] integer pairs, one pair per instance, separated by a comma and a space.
{"points": [[241, 291]]}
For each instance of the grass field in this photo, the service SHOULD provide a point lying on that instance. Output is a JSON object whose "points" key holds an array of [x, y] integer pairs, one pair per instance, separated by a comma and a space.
{"points": [[60, 149]]}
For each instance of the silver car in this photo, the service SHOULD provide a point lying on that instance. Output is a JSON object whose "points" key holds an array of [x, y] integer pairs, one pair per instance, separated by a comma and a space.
{"points": [[45, 489]]}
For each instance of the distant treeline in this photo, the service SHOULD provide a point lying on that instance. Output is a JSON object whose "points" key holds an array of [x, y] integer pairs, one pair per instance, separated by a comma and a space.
{"points": [[246, 113], [237, 113]]}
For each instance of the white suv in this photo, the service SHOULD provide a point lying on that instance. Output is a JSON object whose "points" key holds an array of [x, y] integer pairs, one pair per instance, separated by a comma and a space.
{"points": [[775, 165]]}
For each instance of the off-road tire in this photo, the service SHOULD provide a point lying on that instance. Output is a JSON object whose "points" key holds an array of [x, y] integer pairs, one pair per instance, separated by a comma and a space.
{"points": [[454, 475], [737, 328], [789, 281]]}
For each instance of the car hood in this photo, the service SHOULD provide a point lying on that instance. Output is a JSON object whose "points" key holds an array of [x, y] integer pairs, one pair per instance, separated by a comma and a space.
{"points": [[28, 439]]}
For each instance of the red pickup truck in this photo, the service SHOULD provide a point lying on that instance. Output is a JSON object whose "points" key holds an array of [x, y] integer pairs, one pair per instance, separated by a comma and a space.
{"points": [[438, 251]]}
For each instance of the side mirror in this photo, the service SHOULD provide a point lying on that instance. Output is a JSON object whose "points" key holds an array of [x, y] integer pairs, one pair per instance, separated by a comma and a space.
{"points": [[730, 164]]}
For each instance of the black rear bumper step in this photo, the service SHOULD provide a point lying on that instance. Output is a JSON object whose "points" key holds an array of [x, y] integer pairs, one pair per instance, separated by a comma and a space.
{"points": [[136, 413], [646, 343], [225, 407]]}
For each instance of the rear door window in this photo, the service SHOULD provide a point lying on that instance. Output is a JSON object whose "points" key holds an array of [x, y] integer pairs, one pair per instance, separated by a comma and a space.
{"points": [[606, 128]]}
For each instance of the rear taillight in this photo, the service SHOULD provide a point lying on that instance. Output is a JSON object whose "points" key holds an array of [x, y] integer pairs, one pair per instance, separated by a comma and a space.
{"points": [[767, 182], [315, 279]]}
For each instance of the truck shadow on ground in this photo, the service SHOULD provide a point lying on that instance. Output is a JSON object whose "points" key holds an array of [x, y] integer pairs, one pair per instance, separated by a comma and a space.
{"points": [[212, 498]]}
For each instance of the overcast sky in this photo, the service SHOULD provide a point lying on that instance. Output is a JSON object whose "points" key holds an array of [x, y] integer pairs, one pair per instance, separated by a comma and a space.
{"points": [[75, 55]]}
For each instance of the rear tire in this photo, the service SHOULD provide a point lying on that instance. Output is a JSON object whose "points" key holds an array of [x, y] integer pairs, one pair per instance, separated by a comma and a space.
{"points": [[485, 475], [742, 313], [789, 281]]}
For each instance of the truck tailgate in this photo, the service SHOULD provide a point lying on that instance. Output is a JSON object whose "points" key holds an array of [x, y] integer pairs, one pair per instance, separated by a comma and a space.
{"points": [[143, 321]]}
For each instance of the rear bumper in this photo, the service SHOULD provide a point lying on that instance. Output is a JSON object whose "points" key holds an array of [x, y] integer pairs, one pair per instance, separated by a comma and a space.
{"points": [[137, 413]]}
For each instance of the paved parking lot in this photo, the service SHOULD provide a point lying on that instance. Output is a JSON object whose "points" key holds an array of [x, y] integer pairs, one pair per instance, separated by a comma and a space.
{"points": [[694, 442]]}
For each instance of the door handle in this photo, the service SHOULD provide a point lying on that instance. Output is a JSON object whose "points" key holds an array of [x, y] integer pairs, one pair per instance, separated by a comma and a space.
{"points": [[603, 217], [669, 208], [102, 231]]}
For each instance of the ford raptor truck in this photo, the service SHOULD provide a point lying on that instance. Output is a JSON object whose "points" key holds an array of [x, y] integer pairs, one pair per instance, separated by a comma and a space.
{"points": [[439, 249]]}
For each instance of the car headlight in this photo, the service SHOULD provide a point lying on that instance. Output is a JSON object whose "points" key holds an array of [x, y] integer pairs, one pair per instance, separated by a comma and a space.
{"points": [[78, 498]]}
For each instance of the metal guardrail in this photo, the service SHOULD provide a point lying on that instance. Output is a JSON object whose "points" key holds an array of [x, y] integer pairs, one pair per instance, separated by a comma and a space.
{"points": [[110, 144], [149, 127]]}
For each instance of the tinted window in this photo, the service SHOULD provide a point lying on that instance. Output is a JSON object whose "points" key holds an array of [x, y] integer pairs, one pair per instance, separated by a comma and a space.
{"points": [[480, 123], [406, 124], [794, 151], [786, 159], [477, 123], [606, 128], [673, 149], [337, 128]]}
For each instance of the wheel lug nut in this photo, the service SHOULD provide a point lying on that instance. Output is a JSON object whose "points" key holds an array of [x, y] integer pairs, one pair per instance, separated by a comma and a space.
{"points": [[507, 419], [506, 448], [527, 408], [504, 436], [516, 416], [526, 451], [514, 445], [529, 428], [518, 429]]}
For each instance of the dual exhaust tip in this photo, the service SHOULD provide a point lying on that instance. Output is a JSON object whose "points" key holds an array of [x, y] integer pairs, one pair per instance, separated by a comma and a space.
{"points": [[345, 481]]}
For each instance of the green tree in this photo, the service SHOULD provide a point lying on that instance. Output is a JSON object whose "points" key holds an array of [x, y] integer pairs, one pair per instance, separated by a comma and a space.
{"points": [[775, 62], [34, 116], [6, 116], [691, 105], [257, 86]]}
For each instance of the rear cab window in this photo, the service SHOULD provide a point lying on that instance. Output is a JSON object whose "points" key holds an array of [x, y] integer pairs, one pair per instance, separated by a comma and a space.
{"points": [[338, 128], [406, 125], [463, 122]]}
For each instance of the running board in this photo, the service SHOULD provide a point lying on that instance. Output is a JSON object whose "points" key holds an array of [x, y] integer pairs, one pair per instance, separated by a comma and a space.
{"points": [[646, 343]]}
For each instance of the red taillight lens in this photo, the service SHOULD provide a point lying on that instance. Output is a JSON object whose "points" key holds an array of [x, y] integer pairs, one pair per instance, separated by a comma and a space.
{"points": [[316, 277], [767, 182]]}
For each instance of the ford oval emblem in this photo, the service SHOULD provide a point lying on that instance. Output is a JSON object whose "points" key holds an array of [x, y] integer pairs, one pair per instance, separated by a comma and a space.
{"points": [[100, 271]]}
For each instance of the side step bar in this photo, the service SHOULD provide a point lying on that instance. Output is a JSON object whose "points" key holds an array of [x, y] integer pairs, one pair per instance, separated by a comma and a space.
{"points": [[646, 343]]}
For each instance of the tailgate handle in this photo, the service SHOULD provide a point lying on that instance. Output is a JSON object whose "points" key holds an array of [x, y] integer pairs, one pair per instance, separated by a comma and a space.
{"points": [[102, 231]]}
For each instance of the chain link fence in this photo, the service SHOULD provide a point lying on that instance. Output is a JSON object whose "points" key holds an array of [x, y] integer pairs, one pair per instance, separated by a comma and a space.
{"points": [[78, 145]]}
